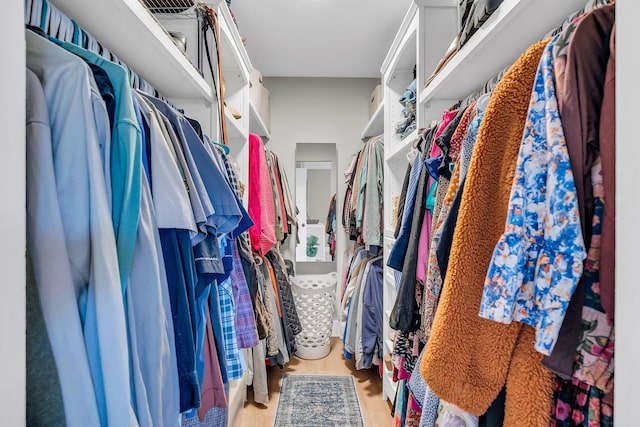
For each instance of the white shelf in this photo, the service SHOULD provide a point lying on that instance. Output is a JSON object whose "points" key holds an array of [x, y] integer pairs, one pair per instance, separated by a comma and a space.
{"points": [[402, 53], [375, 126], [234, 130], [237, 138], [128, 30], [256, 124], [388, 346], [234, 54], [402, 148], [508, 32], [389, 387]]}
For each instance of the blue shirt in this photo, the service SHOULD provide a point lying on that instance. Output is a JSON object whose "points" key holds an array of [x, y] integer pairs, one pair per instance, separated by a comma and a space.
{"points": [[219, 154], [174, 205], [399, 249], [537, 262], [154, 367], [47, 246], [227, 214], [87, 223], [126, 163]]}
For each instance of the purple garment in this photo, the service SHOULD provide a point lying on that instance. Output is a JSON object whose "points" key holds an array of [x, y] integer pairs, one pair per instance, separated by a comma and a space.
{"points": [[246, 331]]}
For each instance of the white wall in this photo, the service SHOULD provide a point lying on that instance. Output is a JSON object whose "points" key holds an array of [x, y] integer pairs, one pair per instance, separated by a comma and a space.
{"points": [[319, 110], [12, 212], [627, 358], [319, 193]]}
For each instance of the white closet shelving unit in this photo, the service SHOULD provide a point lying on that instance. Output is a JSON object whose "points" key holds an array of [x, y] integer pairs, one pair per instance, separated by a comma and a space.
{"points": [[236, 66], [397, 73], [127, 29], [235, 69], [428, 29], [142, 44]]}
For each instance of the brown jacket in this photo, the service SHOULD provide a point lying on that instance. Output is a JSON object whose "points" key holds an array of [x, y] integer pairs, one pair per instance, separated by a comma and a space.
{"points": [[469, 359]]}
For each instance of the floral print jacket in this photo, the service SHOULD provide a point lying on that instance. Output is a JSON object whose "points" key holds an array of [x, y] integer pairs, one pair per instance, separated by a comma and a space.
{"points": [[537, 262]]}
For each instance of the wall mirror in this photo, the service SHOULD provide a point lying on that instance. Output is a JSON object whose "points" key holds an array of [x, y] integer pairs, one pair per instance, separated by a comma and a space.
{"points": [[314, 190]]}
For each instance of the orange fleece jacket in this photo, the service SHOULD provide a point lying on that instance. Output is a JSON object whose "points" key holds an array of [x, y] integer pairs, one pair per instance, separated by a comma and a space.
{"points": [[469, 359]]}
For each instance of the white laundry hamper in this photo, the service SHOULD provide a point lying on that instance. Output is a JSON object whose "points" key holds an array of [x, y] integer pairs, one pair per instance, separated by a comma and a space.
{"points": [[314, 296]]}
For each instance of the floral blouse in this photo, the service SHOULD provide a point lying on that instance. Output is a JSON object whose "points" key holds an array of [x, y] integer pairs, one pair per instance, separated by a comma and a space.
{"points": [[537, 262]]}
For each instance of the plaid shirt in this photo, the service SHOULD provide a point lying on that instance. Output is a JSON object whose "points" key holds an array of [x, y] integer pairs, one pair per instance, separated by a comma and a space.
{"points": [[246, 330], [231, 172], [227, 319], [232, 176]]}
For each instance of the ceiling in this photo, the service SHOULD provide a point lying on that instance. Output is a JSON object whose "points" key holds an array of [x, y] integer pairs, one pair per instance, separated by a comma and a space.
{"points": [[319, 38]]}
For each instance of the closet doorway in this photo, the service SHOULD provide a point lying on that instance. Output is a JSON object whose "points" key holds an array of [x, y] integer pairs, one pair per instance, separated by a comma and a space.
{"points": [[315, 187]]}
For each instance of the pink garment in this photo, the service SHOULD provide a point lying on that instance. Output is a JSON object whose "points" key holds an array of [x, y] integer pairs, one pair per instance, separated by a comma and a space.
{"points": [[435, 151], [447, 116], [262, 208], [414, 412], [212, 394], [403, 374]]}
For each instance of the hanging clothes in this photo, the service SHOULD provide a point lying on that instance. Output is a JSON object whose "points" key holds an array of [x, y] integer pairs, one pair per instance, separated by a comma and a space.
{"points": [[537, 262], [55, 285], [363, 204], [582, 82], [264, 268], [142, 242], [261, 203], [331, 227], [87, 225], [457, 316], [362, 310], [362, 284]]}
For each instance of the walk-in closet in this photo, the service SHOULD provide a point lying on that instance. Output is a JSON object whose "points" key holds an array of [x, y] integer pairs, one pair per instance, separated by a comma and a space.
{"points": [[316, 213]]}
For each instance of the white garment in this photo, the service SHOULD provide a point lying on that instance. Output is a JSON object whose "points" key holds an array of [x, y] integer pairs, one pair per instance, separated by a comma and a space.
{"points": [[48, 248], [170, 197], [450, 415], [260, 385]]}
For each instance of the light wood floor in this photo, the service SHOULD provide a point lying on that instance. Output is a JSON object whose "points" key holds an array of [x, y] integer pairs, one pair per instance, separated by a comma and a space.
{"points": [[376, 412]]}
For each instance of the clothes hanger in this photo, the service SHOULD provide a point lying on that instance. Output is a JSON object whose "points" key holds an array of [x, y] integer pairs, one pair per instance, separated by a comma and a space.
{"points": [[30, 9], [224, 147]]}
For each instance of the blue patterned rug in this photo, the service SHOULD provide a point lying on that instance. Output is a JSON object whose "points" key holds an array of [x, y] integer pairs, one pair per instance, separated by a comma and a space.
{"points": [[318, 401]]}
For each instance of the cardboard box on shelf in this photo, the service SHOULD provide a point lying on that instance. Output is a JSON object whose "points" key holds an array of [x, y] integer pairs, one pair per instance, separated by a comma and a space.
{"points": [[255, 76], [375, 99], [259, 97]]}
